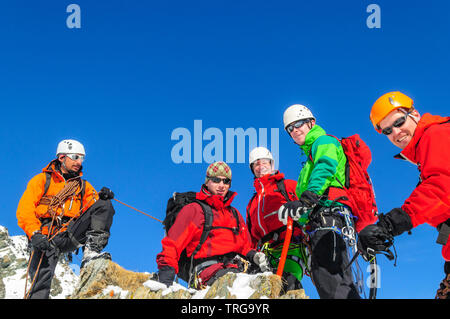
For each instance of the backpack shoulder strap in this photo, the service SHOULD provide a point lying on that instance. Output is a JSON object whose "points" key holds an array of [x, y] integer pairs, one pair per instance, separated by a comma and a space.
{"points": [[235, 214], [48, 179], [207, 211], [281, 187], [83, 188]]}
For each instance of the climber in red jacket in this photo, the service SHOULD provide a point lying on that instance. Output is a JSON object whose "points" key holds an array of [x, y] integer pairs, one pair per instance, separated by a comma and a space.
{"points": [[227, 247], [424, 141], [267, 232]]}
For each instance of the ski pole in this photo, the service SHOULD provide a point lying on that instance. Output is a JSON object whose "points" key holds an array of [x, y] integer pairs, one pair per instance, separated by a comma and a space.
{"points": [[287, 241]]}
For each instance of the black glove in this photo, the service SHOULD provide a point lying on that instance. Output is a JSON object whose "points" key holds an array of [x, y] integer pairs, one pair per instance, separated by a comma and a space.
{"points": [[295, 209], [375, 238], [309, 199], [380, 236], [395, 222], [166, 275], [105, 193], [39, 242]]}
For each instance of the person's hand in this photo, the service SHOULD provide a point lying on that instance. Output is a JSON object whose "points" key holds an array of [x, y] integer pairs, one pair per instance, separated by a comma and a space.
{"points": [[293, 209], [380, 236], [39, 242], [260, 259], [374, 238], [105, 193], [166, 275]]}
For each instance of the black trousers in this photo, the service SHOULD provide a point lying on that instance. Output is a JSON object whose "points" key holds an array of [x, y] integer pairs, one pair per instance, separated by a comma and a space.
{"points": [[93, 225], [329, 257]]}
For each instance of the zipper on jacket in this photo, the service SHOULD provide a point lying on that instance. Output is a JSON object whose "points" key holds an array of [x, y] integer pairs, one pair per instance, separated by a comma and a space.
{"points": [[407, 159], [259, 210]]}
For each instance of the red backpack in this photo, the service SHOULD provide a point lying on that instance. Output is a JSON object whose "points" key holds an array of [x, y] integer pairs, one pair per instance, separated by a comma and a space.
{"points": [[357, 192]]}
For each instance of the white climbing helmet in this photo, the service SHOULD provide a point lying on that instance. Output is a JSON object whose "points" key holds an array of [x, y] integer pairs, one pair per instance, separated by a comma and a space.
{"points": [[259, 153], [70, 147], [296, 113]]}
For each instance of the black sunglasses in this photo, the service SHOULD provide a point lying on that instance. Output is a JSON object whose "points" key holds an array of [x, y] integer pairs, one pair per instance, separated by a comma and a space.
{"points": [[217, 180], [397, 123], [297, 124]]}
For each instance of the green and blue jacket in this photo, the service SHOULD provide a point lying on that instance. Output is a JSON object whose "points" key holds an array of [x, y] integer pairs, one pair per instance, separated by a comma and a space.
{"points": [[327, 167]]}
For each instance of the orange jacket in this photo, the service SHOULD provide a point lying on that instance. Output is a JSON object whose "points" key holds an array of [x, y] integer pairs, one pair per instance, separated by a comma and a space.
{"points": [[29, 210]]}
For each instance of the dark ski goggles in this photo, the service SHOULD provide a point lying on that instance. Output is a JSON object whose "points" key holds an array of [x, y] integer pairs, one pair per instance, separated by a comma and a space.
{"points": [[217, 180], [398, 123], [297, 124]]}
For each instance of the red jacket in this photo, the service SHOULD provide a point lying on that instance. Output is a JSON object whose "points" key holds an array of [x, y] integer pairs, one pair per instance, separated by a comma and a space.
{"points": [[262, 216], [186, 231], [429, 149]]}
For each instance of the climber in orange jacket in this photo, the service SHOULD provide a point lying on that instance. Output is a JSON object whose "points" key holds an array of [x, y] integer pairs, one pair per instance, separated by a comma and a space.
{"points": [[424, 142], [60, 212]]}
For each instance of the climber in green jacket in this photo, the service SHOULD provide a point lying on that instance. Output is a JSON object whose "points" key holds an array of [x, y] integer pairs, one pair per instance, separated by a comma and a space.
{"points": [[318, 186]]}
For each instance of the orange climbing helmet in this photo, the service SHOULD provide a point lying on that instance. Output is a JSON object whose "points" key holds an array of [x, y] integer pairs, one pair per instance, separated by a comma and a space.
{"points": [[386, 104]]}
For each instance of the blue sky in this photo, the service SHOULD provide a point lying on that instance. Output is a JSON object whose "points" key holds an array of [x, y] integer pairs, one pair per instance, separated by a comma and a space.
{"points": [[137, 70]]}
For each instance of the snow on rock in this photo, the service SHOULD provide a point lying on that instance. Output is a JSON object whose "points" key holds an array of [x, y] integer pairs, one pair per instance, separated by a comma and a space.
{"points": [[14, 256], [104, 279]]}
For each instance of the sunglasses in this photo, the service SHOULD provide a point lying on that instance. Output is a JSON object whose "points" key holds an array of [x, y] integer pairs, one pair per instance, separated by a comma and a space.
{"points": [[75, 157], [397, 123], [217, 180], [297, 124]]}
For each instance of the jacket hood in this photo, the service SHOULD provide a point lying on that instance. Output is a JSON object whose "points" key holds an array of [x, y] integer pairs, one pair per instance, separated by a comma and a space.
{"points": [[215, 201], [54, 168], [312, 135], [267, 179], [425, 122]]}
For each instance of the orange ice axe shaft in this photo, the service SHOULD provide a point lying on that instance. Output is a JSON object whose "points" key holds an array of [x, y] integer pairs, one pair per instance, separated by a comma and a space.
{"points": [[287, 241]]}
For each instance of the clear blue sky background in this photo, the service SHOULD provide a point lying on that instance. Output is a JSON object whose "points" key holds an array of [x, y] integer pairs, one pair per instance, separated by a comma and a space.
{"points": [[136, 70]]}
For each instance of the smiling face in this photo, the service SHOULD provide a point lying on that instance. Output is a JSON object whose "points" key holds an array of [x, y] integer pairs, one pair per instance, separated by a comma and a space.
{"points": [[298, 134], [218, 188], [262, 167], [401, 135]]}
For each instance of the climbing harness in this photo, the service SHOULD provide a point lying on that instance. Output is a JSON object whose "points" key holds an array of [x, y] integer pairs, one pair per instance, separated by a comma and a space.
{"points": [[298, 261], [349, 235]]}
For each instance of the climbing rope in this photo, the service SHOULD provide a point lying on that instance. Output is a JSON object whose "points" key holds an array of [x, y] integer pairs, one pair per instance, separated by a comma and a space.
{"points": [[138, 210], [444, 291]]}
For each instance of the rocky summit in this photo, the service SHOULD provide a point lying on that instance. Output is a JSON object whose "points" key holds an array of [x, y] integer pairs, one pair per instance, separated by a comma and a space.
{"points": [[105, 279]]}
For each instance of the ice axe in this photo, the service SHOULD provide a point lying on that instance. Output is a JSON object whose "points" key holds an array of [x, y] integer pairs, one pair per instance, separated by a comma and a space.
{"points": [[287, 241]]}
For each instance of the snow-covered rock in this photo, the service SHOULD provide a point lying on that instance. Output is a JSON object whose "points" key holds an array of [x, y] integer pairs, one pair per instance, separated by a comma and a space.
{"points": [[104, 279], [14, 256]]}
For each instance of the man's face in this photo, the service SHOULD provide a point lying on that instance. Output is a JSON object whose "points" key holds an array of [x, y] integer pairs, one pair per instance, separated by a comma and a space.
{"points": [[218, 187], [70, 164], [262, 167], [298, 134], [401, 135]]}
